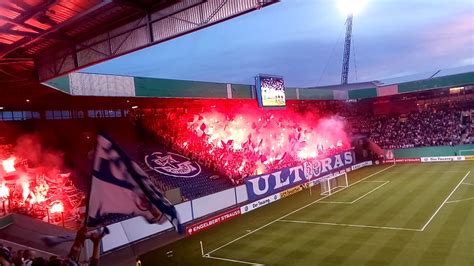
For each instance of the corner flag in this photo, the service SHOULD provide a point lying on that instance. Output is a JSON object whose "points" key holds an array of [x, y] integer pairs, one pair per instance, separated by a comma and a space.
{"points": [[120, 190]]}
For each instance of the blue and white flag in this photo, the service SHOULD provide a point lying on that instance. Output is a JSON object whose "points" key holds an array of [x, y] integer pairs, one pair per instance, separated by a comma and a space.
{"points": [[120, 190]]}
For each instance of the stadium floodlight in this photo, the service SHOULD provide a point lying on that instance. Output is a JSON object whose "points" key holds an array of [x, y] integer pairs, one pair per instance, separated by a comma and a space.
{"points": [[351, 7]]}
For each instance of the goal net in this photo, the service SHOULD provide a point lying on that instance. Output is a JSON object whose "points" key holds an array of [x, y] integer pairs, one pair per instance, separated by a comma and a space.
{"points": [[330, 184]]}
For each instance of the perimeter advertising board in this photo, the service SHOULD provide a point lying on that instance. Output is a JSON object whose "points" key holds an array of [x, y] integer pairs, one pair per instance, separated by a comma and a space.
{"points": [[442, 159], [211, 222]]}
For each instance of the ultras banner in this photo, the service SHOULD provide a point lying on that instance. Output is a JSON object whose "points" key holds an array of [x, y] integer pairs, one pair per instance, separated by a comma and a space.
{"points": [[268, 184]]}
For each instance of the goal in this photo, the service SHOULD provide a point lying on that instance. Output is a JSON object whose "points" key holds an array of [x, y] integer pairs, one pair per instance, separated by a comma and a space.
{"points": [[330, 184]]}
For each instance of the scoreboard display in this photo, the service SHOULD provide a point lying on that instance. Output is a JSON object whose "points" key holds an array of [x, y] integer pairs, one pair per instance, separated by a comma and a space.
{"points": [[270, 91]]}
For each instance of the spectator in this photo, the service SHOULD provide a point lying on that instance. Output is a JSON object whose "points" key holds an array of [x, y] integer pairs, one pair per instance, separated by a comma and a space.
{"points": [[18, 259], [433, 127], [39, 262], [28, 257], [5, 257]]}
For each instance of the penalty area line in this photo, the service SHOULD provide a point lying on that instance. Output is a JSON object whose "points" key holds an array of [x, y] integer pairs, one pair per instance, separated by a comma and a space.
{"points": [[207, 256], [336, 202], [352, 225], [444, 202], [359, 198], [232, 260], [297, 210], [459, 200]]}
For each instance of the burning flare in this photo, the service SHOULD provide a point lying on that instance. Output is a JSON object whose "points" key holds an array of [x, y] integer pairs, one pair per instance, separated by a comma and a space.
{"points": [[9, 165], [26, 190], [57, 207], [4, 191]]}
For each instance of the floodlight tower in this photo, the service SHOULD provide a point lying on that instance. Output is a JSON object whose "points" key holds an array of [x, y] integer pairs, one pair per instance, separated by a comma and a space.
{"points": [[349, 8], [347, 49]]}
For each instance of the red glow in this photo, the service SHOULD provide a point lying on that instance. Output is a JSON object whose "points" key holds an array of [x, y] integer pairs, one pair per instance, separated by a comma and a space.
{"points": [[25, 186], [4, 191], [56, 207], [40, 190], [288, 133], [247, 140], [9, 165]]}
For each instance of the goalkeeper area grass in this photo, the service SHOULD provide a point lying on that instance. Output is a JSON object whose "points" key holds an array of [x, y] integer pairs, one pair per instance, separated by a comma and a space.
{"points": [[409, 214]]}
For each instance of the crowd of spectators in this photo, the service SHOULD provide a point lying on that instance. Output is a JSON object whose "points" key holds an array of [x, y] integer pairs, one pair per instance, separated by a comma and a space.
{"points": [[239, 158], [431, 127], [28, 257], [190, 134]]}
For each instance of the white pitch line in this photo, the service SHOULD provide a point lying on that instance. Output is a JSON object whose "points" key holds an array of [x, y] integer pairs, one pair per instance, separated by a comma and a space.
{"points": [[231, 260], [336, 202], [351, 225], [444, 202], [469, 184], [426, 172], [297, 210], [374, 181], [460, 200], [361, 197]]}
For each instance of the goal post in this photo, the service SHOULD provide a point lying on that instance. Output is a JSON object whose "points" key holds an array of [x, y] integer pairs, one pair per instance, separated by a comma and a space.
{"points": [[330, 184]]}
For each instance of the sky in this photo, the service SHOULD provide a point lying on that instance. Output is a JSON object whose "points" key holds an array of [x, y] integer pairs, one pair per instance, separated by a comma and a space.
{"points": [[302, 40]]}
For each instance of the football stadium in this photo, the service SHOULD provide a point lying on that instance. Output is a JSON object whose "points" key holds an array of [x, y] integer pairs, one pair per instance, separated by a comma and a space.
{"points": [[205, 132]]}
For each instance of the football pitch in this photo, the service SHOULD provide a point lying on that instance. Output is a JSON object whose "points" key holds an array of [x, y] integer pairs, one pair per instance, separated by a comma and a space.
{"points": [[409, 214]]}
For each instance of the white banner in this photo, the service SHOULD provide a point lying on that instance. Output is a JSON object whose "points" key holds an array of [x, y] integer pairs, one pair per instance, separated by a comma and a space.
{"points": [[259, 203], [360, 165], [442, 159]]}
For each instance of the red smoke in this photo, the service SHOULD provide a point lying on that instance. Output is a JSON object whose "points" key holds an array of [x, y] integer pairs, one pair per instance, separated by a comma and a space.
{"points": [[31, 180], [271, 133], [250, 140]]}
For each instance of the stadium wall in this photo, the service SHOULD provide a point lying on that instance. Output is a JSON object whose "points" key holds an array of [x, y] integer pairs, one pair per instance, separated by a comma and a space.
{"points": [[125, 233], [363, 93], [208, 211], [434, 83], [431, 151], [204, 213], [86, 84]]}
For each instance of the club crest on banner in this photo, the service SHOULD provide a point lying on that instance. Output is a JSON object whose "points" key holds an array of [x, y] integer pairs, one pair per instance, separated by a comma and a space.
{"points": [[172, 164], [308, 169], [316, 168]]}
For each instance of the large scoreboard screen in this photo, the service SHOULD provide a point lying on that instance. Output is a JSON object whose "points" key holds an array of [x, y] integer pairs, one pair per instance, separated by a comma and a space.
{"points": [[270, 91]]}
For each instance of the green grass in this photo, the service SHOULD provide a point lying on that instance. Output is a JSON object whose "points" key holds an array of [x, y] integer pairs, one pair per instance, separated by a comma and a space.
{"points": [[391, 218]]}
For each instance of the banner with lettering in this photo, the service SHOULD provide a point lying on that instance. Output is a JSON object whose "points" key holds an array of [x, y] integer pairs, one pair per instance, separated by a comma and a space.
{"points": [[268, 184]]}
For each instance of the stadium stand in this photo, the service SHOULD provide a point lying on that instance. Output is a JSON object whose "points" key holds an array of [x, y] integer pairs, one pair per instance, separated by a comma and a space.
{"points": [[238, 144], [441, 121], [205, 182]]}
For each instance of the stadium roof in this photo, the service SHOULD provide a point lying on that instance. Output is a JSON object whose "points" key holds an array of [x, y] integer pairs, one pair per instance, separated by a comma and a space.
{"points": [[43, 39], [428, 75], [89, 84]]}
